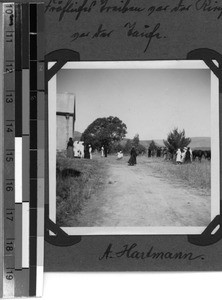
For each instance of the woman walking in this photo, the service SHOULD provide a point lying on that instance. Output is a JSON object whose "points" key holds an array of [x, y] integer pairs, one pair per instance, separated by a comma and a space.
{"points": [[133, 155]]}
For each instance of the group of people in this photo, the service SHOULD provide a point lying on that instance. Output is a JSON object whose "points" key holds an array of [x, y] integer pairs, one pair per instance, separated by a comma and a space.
{"points": [[184, 155], [88, 152], [78, 150]]}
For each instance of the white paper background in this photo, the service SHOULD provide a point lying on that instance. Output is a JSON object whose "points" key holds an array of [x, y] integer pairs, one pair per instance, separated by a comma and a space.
{"points": [[100, 286]]}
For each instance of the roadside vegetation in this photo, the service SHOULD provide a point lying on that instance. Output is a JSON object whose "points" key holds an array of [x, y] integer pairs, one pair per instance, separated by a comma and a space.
{"points": [[73, 191], [196, 174]]}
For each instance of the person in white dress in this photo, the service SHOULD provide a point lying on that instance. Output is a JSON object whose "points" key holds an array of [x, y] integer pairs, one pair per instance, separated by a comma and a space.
{"points": [[102, 151], [119, 155], [90, 151], [179, 157]]}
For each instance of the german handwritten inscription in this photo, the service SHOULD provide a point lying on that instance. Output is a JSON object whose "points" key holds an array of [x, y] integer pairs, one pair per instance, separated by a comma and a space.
{"points": [[148, 31]]}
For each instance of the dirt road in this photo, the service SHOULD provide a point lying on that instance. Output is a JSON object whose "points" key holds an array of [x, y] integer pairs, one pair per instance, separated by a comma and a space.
{"points": [[136, 196]]}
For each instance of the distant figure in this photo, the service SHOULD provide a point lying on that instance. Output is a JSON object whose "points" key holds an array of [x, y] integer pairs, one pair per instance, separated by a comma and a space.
{"points": [[120, 155], [102, 151], [165, 153], [183, 151], [158, 153], [149, 152], [105, 151], [188, 156], [70, 153], [90, 151], [162, 152], [191, 154], [179, 157], [133, 155], [86, 152]]}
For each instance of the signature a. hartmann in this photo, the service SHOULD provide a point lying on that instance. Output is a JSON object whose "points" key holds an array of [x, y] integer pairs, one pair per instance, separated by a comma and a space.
{"points": [[132, 252]]}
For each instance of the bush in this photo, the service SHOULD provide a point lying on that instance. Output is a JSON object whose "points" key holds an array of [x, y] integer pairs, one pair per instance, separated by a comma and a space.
{"points": [[176, 139]]}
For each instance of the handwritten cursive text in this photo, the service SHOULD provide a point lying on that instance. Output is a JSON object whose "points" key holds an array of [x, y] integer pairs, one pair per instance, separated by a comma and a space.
{"points": [[69, 7], [132, 252], [147, 33]]}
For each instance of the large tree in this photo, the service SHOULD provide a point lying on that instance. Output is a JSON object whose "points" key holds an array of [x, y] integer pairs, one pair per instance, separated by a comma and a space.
{"points": [[104, 132], [176, 139]]}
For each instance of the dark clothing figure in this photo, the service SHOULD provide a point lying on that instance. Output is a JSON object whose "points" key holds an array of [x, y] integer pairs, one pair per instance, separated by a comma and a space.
{"points": [[149, 153], [70, 153], [105, 151], [70, 143], [133, 155], [86, 152], [188, 156], [158, 153]]}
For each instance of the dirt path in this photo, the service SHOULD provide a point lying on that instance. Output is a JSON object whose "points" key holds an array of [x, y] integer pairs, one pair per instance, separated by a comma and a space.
{"points": [[136, 196]]}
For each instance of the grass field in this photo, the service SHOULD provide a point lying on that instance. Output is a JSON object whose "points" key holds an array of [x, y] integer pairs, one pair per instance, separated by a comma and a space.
{"points": [[196, 175]]}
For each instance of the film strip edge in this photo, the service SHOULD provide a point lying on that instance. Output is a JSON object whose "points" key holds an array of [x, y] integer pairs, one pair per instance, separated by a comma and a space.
{"points": [[1, 144], [9, 151], [22, 76]]}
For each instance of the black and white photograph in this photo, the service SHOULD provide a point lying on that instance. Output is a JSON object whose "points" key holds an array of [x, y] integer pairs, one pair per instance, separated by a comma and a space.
{"points": [[132, 150]]}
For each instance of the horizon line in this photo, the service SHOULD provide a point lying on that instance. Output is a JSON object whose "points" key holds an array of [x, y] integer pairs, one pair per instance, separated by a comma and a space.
{"points": [[150, 139]]}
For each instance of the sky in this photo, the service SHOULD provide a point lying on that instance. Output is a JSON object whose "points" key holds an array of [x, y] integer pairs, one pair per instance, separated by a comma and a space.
{"points": [[150, 102]]}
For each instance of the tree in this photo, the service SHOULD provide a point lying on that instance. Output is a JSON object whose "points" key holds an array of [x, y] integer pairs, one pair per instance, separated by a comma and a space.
{"points": [[116, 147], [153, 146], [176, 139], [104, 132], [141, 149], [136, 140], [136, 143], [128, 146]]}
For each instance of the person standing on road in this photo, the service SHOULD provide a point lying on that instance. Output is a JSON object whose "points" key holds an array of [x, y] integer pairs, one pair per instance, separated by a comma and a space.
{"points": [[133, 155]]}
